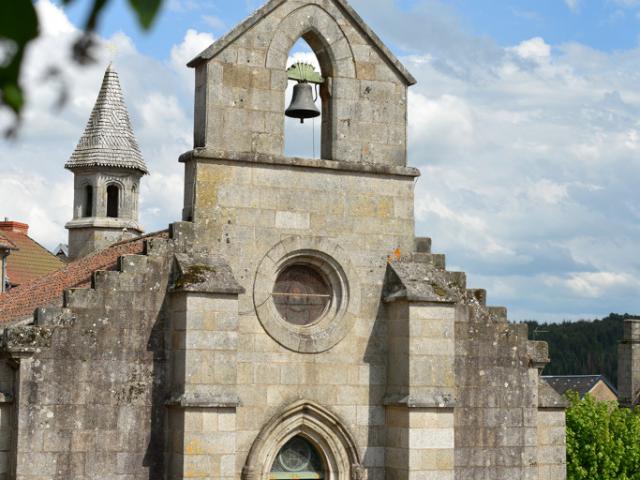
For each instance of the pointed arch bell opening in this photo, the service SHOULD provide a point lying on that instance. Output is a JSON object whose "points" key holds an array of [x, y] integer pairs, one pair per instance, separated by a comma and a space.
{"points": [[304, 441], [329, 43]]}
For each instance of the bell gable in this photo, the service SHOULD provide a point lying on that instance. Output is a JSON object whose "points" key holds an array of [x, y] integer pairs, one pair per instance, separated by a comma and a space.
{"points": [[241, 81]]}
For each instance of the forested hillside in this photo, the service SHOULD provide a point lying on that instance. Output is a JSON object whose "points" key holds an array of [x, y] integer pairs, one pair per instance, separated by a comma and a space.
{"points": [[582, 348]]}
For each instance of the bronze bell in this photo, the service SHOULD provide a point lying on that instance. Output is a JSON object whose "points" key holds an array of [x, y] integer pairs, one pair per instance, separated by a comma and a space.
{"points": [[302, 104]]}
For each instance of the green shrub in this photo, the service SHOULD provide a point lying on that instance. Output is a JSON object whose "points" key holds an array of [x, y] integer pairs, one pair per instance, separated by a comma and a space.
{"points": [[603, 441]]}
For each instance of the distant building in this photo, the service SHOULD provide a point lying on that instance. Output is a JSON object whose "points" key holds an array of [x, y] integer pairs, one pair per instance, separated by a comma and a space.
{"points": [[27, 259], [62, 252], [597, 386]]}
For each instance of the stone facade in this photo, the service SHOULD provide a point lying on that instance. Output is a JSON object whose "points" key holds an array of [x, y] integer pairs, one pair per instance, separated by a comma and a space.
{"points": [[189, 362]]}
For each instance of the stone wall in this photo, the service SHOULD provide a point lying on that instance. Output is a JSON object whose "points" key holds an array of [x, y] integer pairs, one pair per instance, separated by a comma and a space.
{"points": [[7, 422], [202, 415], [240, 91], [496, 417], [551, 444], [92, 377], [420, 391]]}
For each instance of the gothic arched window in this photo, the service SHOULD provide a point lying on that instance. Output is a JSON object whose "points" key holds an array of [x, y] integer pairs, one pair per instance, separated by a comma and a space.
{"points": [[113, 201], [298, 459]]}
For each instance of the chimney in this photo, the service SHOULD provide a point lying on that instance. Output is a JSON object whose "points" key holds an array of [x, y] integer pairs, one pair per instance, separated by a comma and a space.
{"points": [[629, 364], [16, 227]]}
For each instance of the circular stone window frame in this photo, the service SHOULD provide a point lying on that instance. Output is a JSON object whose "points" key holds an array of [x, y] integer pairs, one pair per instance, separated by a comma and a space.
{"points": [[334, 264]]}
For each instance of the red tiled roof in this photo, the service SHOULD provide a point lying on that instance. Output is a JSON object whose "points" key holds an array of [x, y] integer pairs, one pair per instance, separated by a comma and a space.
{"points": [[30, 259], [21, 302]]}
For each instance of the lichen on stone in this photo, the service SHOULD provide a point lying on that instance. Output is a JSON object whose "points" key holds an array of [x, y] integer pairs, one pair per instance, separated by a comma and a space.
{"points": [[194, 275]]}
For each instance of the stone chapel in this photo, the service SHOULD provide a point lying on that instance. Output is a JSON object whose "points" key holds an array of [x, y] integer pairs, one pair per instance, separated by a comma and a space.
{"points": [[291, 326]]}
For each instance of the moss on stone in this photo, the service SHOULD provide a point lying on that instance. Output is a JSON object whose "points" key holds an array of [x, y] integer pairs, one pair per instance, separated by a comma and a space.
{"points": [[194, 275]]}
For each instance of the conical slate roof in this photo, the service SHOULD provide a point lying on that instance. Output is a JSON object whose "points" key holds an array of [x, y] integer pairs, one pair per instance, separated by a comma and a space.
{"points": [[108, 139]]}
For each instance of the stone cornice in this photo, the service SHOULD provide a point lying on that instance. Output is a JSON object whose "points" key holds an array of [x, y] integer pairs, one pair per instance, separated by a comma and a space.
{"points": [[204, 154]]}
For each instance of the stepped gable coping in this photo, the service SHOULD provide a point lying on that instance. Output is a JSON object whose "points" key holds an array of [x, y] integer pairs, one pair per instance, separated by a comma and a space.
{"points": [[418, 282], [108, 139], [19, 303], [217, 47], [204, 274]]}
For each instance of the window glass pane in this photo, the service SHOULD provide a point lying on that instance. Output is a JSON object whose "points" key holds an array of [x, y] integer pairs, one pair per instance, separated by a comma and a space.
{"points": [[301, 294], [297, 459]]}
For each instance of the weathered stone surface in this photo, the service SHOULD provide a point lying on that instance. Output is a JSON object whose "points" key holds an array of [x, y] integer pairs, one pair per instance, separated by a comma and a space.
{"points": [[204, 274]]}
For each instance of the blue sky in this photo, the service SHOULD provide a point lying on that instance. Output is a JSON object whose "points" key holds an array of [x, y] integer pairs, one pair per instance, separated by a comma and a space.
{"points": [[525, 124], [603, 24]]}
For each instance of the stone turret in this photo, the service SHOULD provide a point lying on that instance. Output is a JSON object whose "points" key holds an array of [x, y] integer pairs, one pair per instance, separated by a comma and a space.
{"points": [[629, 364], [107, 166]]}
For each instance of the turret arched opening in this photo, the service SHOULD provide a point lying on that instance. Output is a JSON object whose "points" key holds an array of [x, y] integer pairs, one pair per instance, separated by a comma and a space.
{"points": [[113, 201], [87, 202]]}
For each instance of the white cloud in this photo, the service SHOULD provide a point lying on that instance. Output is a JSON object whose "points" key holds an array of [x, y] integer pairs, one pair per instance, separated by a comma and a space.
{"points": [[194, 43], [596, 284], [534, 49]]}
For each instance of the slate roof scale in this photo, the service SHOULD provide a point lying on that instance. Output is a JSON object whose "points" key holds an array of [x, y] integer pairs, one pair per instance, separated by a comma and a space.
{"points": [[108, 139], [582, 384]]}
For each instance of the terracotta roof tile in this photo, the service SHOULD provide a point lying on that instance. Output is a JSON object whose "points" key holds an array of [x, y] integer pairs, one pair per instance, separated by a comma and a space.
{"points": [[21, 302], [30, 259]]}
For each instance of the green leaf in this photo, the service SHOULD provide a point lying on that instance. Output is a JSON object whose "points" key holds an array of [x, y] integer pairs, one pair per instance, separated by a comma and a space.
{"points": [[12, 96], [146, 11], [18, 26], [94, 14]]}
